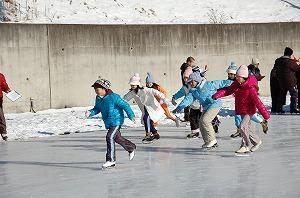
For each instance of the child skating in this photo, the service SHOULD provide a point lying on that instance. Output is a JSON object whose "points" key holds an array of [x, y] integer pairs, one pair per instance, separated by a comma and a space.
{"points": [[203, 90], [231, 73], [112, 108], [153, 112], [150, 83], [247, 101], [195, 108]]}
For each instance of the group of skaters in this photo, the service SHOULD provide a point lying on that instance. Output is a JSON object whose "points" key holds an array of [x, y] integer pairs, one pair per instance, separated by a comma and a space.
{"points": [[200, 102]]}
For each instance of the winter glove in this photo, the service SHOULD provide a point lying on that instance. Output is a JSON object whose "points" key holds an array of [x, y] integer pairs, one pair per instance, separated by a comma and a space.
{"points": [[174, 102], [87, 114]]}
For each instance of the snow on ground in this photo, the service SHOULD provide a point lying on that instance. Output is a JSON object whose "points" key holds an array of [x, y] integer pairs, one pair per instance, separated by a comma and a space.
{"points": [[157, 11], [72, 120]]}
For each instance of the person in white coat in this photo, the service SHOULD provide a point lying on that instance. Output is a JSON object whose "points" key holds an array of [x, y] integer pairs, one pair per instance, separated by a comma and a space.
{"points": [[152, 110]]}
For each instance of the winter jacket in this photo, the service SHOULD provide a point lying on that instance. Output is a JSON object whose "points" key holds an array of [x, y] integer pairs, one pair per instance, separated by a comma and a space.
{"points": [[112, 108], [203, 92], [146, 97], [160, 89], [246, 97], [132, 95], [3, 85], [286, 70], [182, 93]]}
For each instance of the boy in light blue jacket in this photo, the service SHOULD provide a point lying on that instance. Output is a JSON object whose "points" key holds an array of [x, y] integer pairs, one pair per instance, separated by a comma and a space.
{"points": [[203, 90], [112, 108]]}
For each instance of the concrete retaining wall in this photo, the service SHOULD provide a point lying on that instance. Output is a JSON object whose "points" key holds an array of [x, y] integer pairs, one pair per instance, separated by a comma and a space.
{"points": [[56, 64]]}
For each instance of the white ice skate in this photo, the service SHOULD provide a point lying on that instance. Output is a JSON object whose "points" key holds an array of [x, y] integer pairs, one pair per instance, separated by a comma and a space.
{"points": [[255, 147], [131, 155], [242, 151], [108, 164], [210, 145]]}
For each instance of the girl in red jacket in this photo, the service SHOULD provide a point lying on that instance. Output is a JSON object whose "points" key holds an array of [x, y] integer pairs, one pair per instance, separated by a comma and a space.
{"points": [[3, 88], [247, 101]]}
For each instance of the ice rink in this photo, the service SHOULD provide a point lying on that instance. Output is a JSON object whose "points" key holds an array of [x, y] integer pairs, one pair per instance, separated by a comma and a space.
{"points": [[70, 166]]}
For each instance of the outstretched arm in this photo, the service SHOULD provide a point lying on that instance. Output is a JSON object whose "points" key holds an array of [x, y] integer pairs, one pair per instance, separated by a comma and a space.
{"points": [[259, 105]]}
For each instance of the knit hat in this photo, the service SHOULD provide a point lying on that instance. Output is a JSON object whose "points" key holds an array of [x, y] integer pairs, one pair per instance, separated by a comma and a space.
{"points": [[188, 71], [288, 51], [196, 76], [135, 79], [102, 83], [232, 68], [242, 71], [254, 61], [149, 78]]}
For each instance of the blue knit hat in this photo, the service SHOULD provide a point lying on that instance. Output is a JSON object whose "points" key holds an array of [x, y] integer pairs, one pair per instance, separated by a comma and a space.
{"points": [[196, 76], [232, 68], [149, 78]]}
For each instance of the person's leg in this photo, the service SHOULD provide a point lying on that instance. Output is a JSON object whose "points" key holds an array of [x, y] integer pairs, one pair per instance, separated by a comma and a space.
{"points": [[3, 131], [187, 114], [126, 144], [281, 98], [274, 93], [257, 118], [110, 144], [194, 121], [294, 97], [206, 122], [245, 131]]}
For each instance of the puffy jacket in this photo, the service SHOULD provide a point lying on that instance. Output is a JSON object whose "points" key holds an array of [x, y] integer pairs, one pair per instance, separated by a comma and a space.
{"points": [[3, 85], [147, 97], [183, 92], [286, 70], [246, 97], [112, 108], [203, 92]]}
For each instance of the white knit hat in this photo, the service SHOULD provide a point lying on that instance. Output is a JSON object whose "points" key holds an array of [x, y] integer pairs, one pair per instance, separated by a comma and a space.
{"points": [[135, 79], [254, 61]]}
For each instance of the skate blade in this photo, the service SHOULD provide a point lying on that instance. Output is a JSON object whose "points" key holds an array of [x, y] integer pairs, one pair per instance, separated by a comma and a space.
{"points": [[242, 154], [106, 168]]}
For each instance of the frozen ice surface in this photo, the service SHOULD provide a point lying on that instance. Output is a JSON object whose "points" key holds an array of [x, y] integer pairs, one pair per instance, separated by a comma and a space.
{"points": [[69, 166]]}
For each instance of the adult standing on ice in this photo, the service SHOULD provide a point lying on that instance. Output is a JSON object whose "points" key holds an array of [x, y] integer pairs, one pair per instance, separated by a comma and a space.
{"points": [[286, 75], [112, 108], [4, 88], [246, 103]]}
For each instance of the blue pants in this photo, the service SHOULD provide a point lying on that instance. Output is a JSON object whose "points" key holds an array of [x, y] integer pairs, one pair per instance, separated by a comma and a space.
{"points": [[255, 118], [148, 123]]}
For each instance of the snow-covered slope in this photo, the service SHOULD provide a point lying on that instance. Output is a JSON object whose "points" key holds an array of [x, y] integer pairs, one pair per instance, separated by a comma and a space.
{"points": [[157, 11]]}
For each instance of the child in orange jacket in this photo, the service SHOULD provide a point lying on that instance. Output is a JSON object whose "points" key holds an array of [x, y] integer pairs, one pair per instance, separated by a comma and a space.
{"points": [[150, 83]]}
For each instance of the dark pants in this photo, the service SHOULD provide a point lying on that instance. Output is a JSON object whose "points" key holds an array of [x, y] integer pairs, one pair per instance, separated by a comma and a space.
{"points": [[195, 115], [298, 87], [275, 91], [2, 118], [148, 123], [282, 95], [187, 114], [113, 135]]}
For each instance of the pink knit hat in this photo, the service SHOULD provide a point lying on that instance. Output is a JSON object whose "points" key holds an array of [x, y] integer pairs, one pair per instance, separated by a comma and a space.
{"points": [[242, 71], [135, 79], [188, 71]]}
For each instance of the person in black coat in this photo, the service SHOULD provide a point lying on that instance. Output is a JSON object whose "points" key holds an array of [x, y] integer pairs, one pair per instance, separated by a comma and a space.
{"points": [[286, 70]]}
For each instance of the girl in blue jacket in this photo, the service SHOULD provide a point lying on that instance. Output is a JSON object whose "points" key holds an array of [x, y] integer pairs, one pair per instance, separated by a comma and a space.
{"points": [[112, 108]]}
